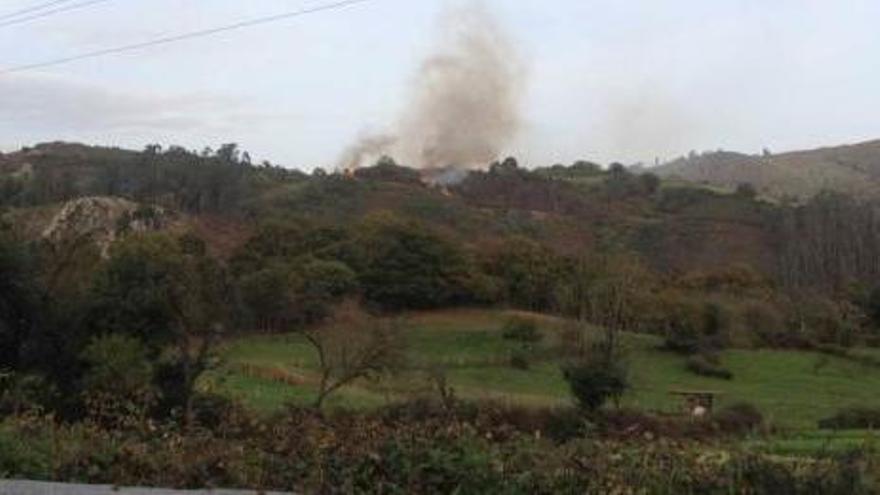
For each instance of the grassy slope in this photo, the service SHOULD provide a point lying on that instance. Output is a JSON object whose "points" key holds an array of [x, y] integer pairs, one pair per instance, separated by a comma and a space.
{"points": [[794, 389], [849, 168]]}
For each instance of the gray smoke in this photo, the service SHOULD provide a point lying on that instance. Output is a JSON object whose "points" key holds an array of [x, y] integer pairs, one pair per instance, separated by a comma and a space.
{"points": [[465, 103], [365, 149]]}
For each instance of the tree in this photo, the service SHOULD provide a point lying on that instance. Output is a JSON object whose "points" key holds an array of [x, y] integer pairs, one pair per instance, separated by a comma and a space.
{"points": [[133, 290], [18, 301], [265, 294], [200, 298], [352, 346], [622, 182], [528, 272], [650, 182], [509, 166], [318, 286], [404, 265], [873, 307], [688, 324], [171, 296], [829, 242], [608, 291]]}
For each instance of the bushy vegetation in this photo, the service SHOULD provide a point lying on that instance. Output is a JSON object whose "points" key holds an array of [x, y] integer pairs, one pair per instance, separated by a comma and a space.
{"points": [[522, 330], [853, 418], [417, 448], [708, 365], [741, 417], [595, 379]]}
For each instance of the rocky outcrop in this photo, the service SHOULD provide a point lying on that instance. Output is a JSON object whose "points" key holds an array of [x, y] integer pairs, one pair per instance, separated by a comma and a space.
{"points": [[103, 220]]}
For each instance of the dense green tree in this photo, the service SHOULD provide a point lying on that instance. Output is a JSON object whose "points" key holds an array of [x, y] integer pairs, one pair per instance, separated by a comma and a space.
{"points": [[133, 291], [319, 285], [265, 294], [154, 287], [18, 301], [404, 265], [528, 273]]}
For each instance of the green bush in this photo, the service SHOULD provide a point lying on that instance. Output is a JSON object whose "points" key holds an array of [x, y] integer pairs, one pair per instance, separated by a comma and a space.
{"points": [[707, 365], [522, 330], [852, 418], [594, 381], [118, 365], [740, 417], [767, 325], [23, 458], [519, 360], [26, 392], [691, 326]]}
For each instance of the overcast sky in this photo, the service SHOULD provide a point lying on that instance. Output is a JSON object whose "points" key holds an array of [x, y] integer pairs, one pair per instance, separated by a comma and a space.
{"points": [[608, 79]]}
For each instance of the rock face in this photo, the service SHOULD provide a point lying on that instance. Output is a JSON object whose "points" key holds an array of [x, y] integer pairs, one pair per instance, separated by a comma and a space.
{"points": [[103, 220]]}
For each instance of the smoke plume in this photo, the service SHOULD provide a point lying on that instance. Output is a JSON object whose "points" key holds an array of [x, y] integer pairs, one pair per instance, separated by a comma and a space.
{"points": [[465, 102], [366, 148]]}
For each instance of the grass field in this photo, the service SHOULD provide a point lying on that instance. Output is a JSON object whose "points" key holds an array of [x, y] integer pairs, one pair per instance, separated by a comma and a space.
{"points": [[793, 389]]}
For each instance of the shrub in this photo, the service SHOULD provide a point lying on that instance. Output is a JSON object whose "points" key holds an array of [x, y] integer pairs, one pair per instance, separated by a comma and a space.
{"points": [[746, 190], [492, 451], [211, 410], [522, 330], [594, 381], [318, 286], [740, 417], [707, 365], [27, 392], [767, 325], [118, 382], [691, 326], [20, 456], [118, 365], [852, 418], [519, 360]]}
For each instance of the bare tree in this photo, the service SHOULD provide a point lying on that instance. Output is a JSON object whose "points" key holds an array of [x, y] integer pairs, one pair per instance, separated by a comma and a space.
{"points": [[351, 346], [604, 290]]}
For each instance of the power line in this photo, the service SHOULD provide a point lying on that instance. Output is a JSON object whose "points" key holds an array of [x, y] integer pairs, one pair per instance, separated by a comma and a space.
{"points": [[33, 8], [40, 15], [184, 36]]}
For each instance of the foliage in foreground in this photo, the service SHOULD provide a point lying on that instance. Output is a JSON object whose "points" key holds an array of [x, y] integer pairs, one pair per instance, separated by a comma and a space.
{"points": [[414, 448]]}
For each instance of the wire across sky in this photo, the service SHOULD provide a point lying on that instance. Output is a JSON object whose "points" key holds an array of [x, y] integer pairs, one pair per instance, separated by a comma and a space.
{"points": [[33, 8], [15, 20], [183, 36]]}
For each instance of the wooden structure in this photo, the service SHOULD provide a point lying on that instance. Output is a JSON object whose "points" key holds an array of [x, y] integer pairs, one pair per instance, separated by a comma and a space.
{"points": [[697, 403]]}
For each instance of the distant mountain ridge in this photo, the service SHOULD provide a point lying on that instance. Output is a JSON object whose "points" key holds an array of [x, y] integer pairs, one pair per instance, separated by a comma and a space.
{"points": [[852, 169]]}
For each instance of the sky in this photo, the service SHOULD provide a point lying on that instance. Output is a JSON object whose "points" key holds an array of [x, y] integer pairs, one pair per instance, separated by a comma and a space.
{"points": [[606, 80]]}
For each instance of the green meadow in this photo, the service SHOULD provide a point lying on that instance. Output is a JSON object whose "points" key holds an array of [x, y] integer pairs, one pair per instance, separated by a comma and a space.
{"points": [[793, 389]]}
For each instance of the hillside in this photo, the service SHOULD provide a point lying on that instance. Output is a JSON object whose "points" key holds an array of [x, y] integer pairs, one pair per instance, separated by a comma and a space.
{"points": [[852, 169], [677, 226], [220, 195]]}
